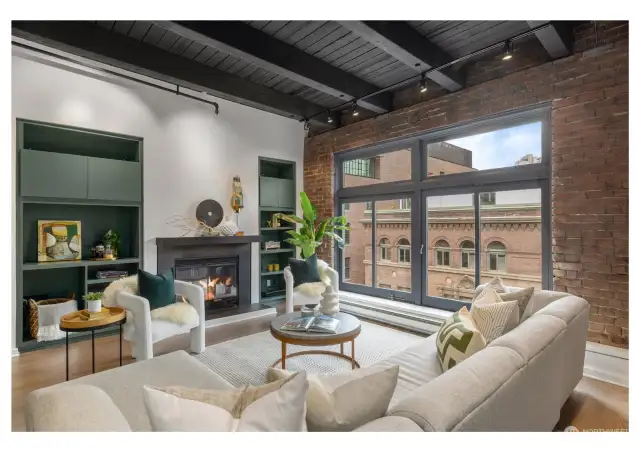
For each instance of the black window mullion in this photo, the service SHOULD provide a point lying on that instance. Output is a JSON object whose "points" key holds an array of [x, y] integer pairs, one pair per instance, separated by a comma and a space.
{"points": [[374, 256], [478, 229]]}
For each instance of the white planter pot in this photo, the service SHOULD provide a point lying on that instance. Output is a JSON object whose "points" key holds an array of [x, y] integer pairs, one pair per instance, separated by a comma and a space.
{"points": [[94, 305]]}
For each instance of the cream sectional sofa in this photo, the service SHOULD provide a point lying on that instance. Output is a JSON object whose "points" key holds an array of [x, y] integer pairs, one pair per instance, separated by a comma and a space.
{"points": [[518, 383]]}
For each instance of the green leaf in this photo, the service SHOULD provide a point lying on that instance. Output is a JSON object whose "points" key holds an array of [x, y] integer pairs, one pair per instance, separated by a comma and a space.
{"points": [[296, 235], [339, 240], [321, 228], [308, 211]]}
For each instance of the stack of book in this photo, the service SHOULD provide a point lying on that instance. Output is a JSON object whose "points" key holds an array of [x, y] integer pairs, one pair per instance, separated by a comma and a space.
{"points": [[111, 274], [319, 324]]}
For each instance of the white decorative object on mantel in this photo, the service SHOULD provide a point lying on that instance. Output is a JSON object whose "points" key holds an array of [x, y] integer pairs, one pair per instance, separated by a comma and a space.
{"points": [[227, 227], [330, 303]]}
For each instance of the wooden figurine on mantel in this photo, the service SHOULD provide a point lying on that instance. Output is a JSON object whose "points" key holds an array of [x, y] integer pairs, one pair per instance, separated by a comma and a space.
{"points": [[237, 199]]}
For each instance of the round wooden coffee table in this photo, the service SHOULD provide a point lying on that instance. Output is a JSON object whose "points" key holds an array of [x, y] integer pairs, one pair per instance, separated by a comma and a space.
{"points": [[76, 322], [348, 330]]}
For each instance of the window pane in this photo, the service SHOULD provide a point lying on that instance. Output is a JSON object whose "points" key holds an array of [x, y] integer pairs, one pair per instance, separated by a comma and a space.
{"points": [[393, 234], [511, 238], [358, 250], [390, 167], [514, 146], [450, 227]]}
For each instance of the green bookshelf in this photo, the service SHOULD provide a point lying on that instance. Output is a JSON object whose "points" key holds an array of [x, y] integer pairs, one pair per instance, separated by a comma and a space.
{"points": [[69, 173], [277, 194]]}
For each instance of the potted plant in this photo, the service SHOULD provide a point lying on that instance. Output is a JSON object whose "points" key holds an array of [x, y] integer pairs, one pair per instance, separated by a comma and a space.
{"points": [[94, 301], [313, 230], [111, 241]]}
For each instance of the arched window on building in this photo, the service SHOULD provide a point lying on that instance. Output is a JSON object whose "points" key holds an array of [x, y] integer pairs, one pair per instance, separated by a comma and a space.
{"points": [[468, 254], [497, 257], [385, 250], [404, 251], [443, 253]]}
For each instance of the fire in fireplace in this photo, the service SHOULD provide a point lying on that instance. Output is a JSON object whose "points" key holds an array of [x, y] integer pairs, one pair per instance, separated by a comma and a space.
{"points": [[218, 277]]}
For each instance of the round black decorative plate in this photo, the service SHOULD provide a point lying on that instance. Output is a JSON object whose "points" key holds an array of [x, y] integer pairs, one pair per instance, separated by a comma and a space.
{"points": [[210, 212]]}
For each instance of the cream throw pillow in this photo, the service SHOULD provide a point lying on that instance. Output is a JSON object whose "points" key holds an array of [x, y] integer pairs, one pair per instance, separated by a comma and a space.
{"points": [[492, 315], [347, 400], [275, 407], [458, 339]]}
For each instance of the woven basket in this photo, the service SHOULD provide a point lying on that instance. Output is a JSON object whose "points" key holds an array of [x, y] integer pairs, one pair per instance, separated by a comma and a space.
{"points": [[33, 311]]}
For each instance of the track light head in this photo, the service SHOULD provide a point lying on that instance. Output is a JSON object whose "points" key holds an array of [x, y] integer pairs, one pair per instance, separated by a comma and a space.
{"points": [[329, 118], [423, 84], [508, 50], [306, 124], [354, 110]]}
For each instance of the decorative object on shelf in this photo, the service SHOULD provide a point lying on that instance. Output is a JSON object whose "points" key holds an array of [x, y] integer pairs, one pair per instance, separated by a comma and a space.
{"points": [[329, 305], [237, 198], [97, 251], [59, 241], [311, 234], [94, 301], [111, 242], [271, 245], [239, 233], [44, 317], [275, 220], [276, 267], [228, 227], [192, 225], [209, 212], [111, 274], [307, 310], [269, 267]]}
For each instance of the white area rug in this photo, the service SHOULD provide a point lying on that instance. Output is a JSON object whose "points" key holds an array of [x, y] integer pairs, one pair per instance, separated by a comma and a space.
{"points": [[245, 360]]}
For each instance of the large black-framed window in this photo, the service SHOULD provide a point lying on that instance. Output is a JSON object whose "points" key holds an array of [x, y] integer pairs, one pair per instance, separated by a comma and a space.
{"points": [[418, 203]]}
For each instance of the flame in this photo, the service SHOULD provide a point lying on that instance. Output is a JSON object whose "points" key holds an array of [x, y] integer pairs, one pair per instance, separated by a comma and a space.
{"points": [[209, 286]]}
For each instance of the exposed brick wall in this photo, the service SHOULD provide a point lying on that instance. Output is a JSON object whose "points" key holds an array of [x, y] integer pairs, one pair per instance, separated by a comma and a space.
{"points": [[590, 147]]}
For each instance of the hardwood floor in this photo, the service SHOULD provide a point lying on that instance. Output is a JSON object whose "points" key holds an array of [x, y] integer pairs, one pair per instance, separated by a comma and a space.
{"points": [[593, 404]]}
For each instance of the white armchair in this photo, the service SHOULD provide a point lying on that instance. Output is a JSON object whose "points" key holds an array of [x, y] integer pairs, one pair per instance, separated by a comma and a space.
{"points": [[142, 331], [297, 297]]}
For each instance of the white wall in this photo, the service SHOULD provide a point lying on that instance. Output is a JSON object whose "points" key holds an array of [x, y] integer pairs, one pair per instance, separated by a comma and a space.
{"points": [[189, 153]]}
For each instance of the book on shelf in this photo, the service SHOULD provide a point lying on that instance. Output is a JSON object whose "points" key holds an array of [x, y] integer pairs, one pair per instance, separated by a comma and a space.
{"points": [[319, 324]]}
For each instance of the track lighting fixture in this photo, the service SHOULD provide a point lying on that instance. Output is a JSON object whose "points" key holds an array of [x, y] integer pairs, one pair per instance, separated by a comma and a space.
{"points": [[354, 109], [306, 124], [508, 50], [423, 84], [329, 118]]}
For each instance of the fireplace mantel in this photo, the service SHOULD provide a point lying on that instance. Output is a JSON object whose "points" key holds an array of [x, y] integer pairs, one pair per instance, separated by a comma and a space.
{"points": [[174, 242]]}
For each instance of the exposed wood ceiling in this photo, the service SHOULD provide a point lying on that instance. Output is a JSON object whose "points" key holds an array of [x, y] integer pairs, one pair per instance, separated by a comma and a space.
{"points": [[298, 69]]}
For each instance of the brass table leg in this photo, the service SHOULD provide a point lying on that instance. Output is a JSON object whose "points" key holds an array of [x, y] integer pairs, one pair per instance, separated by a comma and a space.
{"points": [[353, 353], [284, 354]]}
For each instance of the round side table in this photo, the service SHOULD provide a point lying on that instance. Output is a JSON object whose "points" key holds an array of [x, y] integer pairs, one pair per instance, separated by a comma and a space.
{"points": [[348, 330], [74, 323]]}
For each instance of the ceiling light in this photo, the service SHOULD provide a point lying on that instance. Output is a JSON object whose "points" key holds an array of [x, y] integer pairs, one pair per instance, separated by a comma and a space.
{"points": [[329, 118], [354, 110], [508, 50], [306, 124], [423, 84]]}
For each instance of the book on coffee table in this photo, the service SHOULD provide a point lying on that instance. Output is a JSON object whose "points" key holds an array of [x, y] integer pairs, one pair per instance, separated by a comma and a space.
{"points": [[320, 324]]}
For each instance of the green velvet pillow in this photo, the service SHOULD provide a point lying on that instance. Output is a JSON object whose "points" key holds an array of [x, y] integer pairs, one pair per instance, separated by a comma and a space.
{"points": [[304, 271], [159, 290]]}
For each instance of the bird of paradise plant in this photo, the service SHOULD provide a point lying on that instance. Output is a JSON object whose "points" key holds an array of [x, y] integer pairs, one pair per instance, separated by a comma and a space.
{"points": [[313, 230]]}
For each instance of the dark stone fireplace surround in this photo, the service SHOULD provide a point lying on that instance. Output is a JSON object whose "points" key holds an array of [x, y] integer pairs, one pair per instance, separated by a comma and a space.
{"points": [[171, 249]]}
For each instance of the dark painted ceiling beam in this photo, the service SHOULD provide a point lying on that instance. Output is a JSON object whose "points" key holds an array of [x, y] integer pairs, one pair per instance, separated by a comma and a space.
{"points": [[556, 39], [97, 44], [261, 49], [406, 44]]}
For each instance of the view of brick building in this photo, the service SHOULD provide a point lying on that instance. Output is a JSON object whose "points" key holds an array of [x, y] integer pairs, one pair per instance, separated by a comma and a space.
{"points": [[510, 234]]}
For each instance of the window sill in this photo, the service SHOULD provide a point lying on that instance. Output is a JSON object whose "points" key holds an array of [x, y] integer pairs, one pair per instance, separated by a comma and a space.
{"points": [[421, 319]]}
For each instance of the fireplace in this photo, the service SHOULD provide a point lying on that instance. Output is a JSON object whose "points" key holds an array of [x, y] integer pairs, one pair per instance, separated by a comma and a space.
{"points": [[217, 276], [220, 265]]}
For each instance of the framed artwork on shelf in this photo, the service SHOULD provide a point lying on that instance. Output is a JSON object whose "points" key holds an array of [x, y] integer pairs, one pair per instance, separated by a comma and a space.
{"points": [[59, 240]]}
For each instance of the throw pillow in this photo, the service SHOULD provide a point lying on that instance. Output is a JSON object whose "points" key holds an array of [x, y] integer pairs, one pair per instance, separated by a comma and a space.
{"points": [[304, 271], [274, 407], [159, 290], [458, 339], [492, 315], [523, 297], [497, 284], [348, 400]]}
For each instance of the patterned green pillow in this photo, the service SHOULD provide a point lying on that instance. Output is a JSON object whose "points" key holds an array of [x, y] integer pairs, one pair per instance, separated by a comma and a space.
{"points": [[458, 339]]}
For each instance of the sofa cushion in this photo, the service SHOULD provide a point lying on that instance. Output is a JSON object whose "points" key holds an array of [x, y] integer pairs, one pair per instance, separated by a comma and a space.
{"points": [[458, 339], [77, 408], [346, 400], [390, 424], [530, 337], [274, 407], [419, 365], [159, 290], [124, 384], [304, 271]]}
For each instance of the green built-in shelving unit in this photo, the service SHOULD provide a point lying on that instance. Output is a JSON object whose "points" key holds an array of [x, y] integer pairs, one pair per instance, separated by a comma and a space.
{"points": [[277, 194], [69, 173]]}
